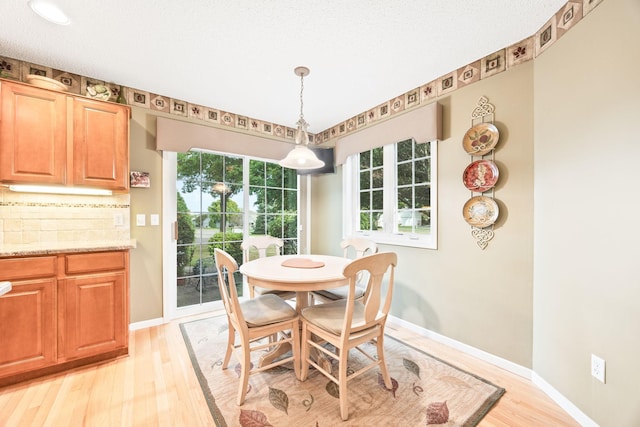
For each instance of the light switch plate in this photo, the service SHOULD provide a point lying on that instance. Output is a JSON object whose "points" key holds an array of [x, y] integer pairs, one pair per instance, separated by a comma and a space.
{"points": [[155, 219], [141, 220]]}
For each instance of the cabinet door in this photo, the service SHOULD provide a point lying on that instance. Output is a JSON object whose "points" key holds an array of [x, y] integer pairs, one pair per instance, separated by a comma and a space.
{"points": [[94, 314], [33, 134], [28, 326], [100, 144]]}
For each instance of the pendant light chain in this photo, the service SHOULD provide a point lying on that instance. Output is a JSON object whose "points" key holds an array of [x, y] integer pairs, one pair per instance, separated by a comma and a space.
{"points": [[301, 90]]}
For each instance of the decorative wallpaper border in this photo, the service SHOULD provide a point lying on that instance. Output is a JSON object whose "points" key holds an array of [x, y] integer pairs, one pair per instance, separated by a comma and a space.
{"points": [[504, 59]]}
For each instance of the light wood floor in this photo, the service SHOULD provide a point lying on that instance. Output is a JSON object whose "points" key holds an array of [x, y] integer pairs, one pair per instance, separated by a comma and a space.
{"points": [[156, 386]]}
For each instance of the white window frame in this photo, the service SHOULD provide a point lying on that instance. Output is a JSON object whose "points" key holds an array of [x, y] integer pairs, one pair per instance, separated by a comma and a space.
{"points": [[351, 203]]}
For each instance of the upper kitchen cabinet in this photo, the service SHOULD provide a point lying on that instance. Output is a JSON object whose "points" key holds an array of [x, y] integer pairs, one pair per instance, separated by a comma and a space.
{"points": [[100, 144], [50, 137], [33, 134]]}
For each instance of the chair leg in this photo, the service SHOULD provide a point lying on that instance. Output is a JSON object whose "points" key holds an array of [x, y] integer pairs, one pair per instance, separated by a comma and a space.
{"points": [[244, 373], [230, 342], [304, 353], [342, 387], [295, 348], [383, 363]]}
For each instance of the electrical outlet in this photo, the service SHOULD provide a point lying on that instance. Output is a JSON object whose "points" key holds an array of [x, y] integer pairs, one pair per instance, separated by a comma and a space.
{"points": [[598, 367], [118, 220]]}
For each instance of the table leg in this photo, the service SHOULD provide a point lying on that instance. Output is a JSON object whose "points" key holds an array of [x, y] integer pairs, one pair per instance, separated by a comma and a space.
{"points": [[302, 301]]}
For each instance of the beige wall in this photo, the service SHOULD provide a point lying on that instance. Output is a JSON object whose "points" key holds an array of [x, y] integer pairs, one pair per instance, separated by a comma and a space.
{"points": [[587, 146], [146, 258], [480, 297]]}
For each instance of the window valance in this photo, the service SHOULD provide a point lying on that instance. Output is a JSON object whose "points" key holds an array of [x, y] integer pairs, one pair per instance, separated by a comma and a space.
{"points": [[424, 124], [180, 136]]}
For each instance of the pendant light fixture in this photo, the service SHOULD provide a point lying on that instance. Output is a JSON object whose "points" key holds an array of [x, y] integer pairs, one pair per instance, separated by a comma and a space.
{"points": [[301, 157]]}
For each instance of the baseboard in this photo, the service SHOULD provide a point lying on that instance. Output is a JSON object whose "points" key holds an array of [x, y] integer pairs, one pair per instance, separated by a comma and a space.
{"points": [[465, 348], [527, 373], [563, 402], [147, 324]]}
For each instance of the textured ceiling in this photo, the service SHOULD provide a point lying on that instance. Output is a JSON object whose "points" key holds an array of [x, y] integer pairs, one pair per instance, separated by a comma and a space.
{"points": [[239, 55]]}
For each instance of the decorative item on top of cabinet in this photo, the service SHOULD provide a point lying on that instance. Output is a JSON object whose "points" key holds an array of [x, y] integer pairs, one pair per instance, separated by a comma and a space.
{"points": [[480, 176]]}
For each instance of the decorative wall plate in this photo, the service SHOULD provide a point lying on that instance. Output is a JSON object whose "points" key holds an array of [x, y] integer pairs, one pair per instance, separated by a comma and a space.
{"points": [[480, 175], [480, 139], [480, 211], [46, 82], [99, 92]]}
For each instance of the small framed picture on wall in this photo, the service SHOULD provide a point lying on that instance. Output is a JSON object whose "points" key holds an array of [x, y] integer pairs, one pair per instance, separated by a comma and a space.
{"points": [[140, 179]]}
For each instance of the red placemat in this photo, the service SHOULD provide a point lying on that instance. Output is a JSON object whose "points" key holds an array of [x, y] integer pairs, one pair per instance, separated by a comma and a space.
{"points": [[302, 263]]}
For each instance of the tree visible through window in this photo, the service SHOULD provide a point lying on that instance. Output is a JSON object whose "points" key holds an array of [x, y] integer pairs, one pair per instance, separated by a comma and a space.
{"points": [[214, 212]]}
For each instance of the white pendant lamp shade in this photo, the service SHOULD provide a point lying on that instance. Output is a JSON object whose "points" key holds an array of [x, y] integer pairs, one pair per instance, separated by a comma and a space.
{"points": [[301, 157]]}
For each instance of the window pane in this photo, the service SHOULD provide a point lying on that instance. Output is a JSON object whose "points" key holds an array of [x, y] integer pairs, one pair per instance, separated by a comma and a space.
{"points": [[365, 200], [257, 199], [405, 173], [422, 150], [423, 170], [424, 227], [290, 226], [274, 175], [365, 160], [423, 196], [404, 150], [376, 200], [274, 200], [257, 168], [290, 247], [377, 221], [274, 225], [212, 167], [377, 178], [233, 169], [365, 221], [290, 178], [376, 157], [365, 180], [405, 198], [258, 225], [290, 201], [234, 223]]}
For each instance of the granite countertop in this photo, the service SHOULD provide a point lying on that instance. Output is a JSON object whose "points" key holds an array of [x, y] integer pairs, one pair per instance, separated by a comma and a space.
{"points": [[65, 247]]}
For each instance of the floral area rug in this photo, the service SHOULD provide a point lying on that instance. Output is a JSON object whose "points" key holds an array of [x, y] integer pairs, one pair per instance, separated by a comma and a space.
{"points": [[426, 390]]}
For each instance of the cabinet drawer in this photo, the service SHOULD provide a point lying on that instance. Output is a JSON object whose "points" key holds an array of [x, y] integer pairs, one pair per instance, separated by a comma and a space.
{"points": [[94, 262], [27, 267]]}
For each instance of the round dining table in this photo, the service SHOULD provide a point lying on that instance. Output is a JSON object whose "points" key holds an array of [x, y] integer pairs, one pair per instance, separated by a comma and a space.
{"points": [[298, 273]]}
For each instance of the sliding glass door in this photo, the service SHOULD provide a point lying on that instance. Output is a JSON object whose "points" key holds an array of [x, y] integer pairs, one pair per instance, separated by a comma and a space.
{"points": [[220, 199]]}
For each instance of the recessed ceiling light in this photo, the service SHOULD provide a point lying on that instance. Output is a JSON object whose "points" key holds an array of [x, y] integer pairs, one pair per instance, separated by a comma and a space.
{"points": [[49, 11]]}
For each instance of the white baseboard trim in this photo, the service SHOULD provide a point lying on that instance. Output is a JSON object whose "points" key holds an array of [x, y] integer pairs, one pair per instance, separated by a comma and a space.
{"points": [[563, 402], [147, 324], [527, 373], [465, 348]]}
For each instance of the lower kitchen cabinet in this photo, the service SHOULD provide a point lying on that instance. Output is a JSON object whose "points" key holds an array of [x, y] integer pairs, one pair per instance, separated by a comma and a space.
{"points": [[28, 326], [74, 311]]}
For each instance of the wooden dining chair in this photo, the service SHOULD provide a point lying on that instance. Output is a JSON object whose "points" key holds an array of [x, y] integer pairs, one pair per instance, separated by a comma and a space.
{"points": [[255, 321], [355, 247], [259, 247], [347, 323]]}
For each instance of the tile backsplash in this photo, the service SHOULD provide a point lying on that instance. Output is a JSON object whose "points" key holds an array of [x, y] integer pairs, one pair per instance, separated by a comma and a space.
{"points": [[54, 219]]}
